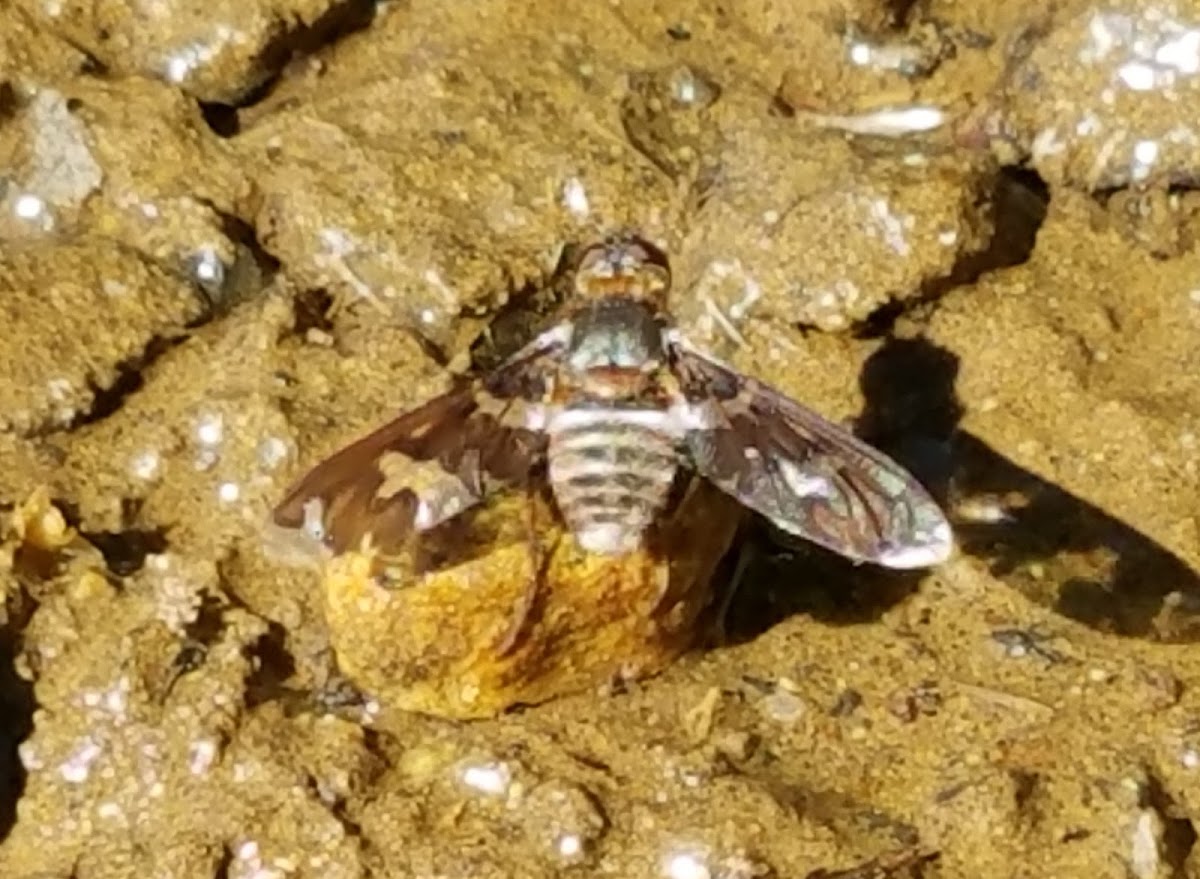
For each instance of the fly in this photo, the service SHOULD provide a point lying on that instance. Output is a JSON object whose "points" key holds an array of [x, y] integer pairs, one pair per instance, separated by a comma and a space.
{"points": [[607, 406]]}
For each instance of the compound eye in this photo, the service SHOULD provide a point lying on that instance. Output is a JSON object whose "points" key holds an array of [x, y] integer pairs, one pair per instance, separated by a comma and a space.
{"points": [[592, 258], [658, 278]]}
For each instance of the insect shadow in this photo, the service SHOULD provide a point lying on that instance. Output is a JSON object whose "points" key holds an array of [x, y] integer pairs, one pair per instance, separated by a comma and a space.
{"points": [[1051, 545]]}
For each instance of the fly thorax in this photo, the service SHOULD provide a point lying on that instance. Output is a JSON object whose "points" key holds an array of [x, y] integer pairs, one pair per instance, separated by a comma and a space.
{"points": [[612, 334], [611, 469]]}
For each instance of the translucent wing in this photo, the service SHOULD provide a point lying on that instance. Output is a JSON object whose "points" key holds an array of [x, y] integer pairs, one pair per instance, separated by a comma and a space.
{"points": [[808, 476], [430, 463]]}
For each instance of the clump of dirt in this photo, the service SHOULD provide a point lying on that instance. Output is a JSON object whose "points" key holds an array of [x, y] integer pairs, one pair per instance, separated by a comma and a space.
{"points": [[540, 624], [233, 243]]}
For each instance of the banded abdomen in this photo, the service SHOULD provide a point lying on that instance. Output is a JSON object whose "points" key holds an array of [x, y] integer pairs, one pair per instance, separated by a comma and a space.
{"points": [[611, 470]]}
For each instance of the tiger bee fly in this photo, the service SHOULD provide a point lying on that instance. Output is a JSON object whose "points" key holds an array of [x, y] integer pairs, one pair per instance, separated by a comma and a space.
{"points": [[608, 404]]}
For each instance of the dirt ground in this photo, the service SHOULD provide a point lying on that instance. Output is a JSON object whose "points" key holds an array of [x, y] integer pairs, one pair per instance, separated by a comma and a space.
{"points": [[234, 236]]}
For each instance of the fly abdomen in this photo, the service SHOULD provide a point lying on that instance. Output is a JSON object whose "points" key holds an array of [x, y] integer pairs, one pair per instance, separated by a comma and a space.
{"points": [[611, 471]]}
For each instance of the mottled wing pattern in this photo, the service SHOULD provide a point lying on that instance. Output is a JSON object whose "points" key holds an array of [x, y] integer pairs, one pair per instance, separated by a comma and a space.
{"points": [[808, 476], [427, 465]]}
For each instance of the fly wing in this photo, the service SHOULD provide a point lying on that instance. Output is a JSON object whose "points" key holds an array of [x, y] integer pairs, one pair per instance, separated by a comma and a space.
{"points": [[430, 463], [808, 476]]}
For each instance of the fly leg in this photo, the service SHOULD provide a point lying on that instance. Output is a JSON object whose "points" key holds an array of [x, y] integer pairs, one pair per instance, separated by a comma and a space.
{"points": [[664, 596], [718, 634], [523, 609]]}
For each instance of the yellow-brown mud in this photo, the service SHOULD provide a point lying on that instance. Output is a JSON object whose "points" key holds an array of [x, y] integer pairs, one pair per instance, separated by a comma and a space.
{"points": [[474, 640], [232, 240]]}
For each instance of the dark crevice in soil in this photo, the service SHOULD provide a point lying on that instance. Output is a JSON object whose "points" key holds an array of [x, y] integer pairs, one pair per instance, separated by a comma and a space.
{"points": [[905, 864], [373, 741], [93, 66], [130, 379], [274, 666], [679, 31], [8, 101], [238, 230], [224, 867], [1179, 835], [253, 269], [125, 551], [1019, 200], [90, 65], [310, 311], [222, 119], [338, 22], [205, 630], [524, 312], [32, 566], [336, 806], [17, 705], [899, 12], [293, 46]]}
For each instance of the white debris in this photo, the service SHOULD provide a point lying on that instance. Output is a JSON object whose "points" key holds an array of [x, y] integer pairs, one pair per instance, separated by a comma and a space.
{"points": [[719, 281], [1145, 154], [860, 53], [1137, 76], [575, 198], [686, 865], [1181, 52], [1158, 47], [29, 207], [569, 846], [145, 465], [75, 769], [984, 510], [116, 699], [1145, 856], [177, 598], [784, 707], [29, 756], [1046, 143], [210, 429], [207, 266], [64, 170], [273, 451], [201, 754], [492, 779], [179, 65], [891, 225], [901, 121]]}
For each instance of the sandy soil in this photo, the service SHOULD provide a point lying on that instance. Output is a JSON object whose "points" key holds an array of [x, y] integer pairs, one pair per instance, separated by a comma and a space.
{"points": [[235, 236]]}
